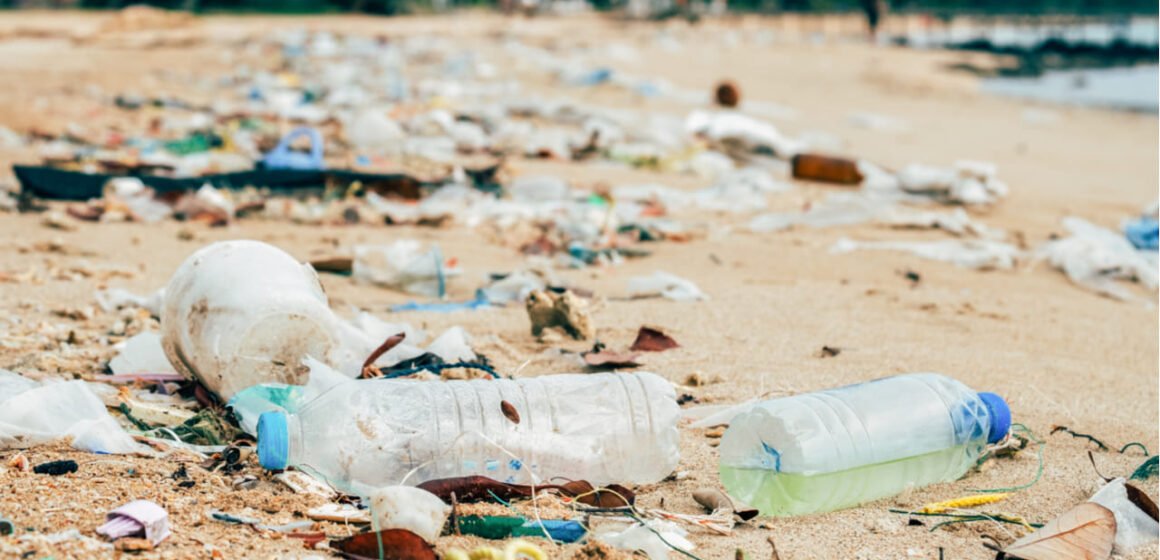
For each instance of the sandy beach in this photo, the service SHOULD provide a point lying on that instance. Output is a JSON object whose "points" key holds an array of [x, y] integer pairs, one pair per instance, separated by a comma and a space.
{"points": [[1059, 354]]}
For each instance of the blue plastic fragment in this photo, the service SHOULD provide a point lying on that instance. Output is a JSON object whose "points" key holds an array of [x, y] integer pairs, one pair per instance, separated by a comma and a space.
{"points": [[557, 529], [282, 157], [480, 302], [1144, 233]]}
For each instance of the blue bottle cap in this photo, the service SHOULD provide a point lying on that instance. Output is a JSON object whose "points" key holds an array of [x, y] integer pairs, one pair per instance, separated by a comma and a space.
{"points": [[273, 440], [997, 409]]}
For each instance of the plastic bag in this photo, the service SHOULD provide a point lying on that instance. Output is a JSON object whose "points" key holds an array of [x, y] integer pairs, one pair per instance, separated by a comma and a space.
{"points": [[33, 413]]}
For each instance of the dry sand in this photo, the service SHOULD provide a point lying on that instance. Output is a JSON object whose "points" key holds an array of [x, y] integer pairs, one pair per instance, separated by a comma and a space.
{"points": [[1061, 355]]}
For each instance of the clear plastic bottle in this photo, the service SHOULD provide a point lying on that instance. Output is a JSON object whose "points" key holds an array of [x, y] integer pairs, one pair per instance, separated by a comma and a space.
{"points": [[362, 435], [834, 449]]}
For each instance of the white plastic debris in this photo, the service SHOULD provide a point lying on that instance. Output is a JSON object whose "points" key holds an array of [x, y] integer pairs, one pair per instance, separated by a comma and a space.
{"points": [[112, 299], [650, 539], [142, 353], [33, 413], [539, 189], [848, 209], [207, 203], [453, 345], [372, 132], [876, 121], [241, 313], [410, 508], [139, 518], [710, 415], [1095, 258], [136, 198], [1134, 527], [973, 183], [731, 127], [665, 285], [403, 265], [743, 190], [974, 253], [514, 288]]}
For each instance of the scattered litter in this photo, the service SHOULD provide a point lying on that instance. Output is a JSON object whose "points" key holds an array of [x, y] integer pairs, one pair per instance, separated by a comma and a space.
{"points": [[388, 544], [56, 468], [404, 265], [972, 183], [654, 537], [1095, 258], [826, 169], [302, 483], [33, 413], [142, 353], [649, 339], [566, 311], [716, 501], [664, 285], [1084, 532], [603, 358], [1136, 524], [514, 550], [974, 253], [410, 508], [339, 513], [140, 518]]}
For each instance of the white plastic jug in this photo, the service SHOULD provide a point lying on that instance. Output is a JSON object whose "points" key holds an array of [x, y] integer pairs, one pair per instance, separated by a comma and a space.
{"points": [[241, 313]]}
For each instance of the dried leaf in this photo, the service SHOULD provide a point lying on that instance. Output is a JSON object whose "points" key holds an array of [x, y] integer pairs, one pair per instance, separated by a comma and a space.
{"points": [[388, 544], [509, 411], [1142, 501], [368, 369], [649, 339], [611, 359], [1085, 532], [335, 265], [611, 496], [469, 489], [713, 500]]}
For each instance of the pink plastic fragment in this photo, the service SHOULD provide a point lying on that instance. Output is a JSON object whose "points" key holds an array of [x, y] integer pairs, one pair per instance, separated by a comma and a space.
{"points": [[140, 518]]}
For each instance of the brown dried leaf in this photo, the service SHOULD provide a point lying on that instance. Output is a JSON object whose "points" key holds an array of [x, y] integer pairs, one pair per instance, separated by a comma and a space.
{"points": [[713, 500], [334, 265], [611, 496], [509, 411], [1085, 532], [649, 339], [388, 544], [469, 489], [1142, 501]]}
